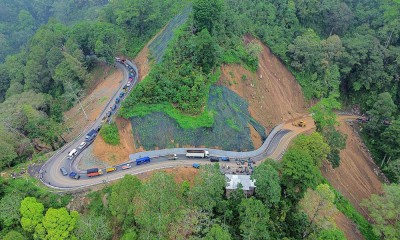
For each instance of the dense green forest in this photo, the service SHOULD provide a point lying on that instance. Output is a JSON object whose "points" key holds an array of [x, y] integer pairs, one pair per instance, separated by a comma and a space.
{"points": [[292, 201], [19, 19], [344, 51], [47, 77]]}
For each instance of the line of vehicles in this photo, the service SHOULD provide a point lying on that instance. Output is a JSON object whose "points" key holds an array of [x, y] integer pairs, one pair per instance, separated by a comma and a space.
{"points": [[92, 134], [93, 172]]}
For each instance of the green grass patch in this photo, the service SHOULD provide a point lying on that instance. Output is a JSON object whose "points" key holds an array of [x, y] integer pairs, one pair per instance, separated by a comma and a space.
{"points": [[103, 99], [362, 224], [110, 134], [215, 76], [233, 125], [205, 119], [344, 206]]}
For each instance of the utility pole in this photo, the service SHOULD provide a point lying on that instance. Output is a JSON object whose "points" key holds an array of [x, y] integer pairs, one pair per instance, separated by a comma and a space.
{"points": [[79, 101]]}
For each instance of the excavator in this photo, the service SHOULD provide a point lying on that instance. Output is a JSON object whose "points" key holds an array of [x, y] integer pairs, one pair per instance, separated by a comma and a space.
{"points": [[299, 124]]}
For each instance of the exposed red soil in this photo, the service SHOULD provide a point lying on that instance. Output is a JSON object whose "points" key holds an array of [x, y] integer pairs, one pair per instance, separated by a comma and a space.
{"points": [[355, 178], [180, 174], [113, 155], [273, 94], [255, 137]]}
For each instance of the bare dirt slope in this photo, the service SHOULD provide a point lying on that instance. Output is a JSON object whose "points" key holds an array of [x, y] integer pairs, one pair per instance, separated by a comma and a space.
{"points": [[355, 178], [273, 94], [107, 81], [113, 155], [348, 227], [142, 60], [180, 174]]}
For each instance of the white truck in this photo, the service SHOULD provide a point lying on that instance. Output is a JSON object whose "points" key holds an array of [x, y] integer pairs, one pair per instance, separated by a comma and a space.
{"points": [[197, 154]]}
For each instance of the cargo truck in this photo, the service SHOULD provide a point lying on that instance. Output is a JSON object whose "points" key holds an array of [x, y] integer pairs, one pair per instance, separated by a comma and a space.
{"points": [[91, 135], [197, 154], [142, 160], [93, 172]]}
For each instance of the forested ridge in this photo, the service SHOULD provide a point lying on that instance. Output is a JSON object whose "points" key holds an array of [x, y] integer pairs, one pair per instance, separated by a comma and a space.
{"points": [[19, 19]]}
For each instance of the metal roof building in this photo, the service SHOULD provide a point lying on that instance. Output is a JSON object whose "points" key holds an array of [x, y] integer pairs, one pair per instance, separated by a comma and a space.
{"points": [[233, 182]]}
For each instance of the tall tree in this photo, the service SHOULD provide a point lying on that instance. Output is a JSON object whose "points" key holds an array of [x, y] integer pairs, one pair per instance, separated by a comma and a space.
{"points": [[385, 212], [32, 213], [299, 172], [254, 219], [382, 110], [217, 232], [157, 206], [319, 207], [57, 224], [268, 184], [206, 14], [93, 227], [323, 114], [315, 146], [121, 201]]}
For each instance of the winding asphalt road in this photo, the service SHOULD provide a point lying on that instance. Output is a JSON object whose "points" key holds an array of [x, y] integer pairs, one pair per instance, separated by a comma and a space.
{"points": [[52, 177]]}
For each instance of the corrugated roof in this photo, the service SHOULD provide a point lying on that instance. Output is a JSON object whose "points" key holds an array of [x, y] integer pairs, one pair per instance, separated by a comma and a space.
{"points": [[234, 180]]}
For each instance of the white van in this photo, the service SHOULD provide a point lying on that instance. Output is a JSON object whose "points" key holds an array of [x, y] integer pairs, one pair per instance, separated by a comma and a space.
{"points": [[82, 145], [72, 154]]}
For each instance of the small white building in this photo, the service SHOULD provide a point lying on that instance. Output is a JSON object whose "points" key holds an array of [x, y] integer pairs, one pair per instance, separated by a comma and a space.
{"points": [[234, 181]]}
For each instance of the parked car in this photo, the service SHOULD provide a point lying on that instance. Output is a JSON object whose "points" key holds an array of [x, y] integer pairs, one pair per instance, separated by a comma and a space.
{"points": [[226, 159], [214, 159], [128, 84], [114, 107], [121, 94], [64, 171], [82, 145], [108, 114], [126, 166], [74, 175], [117, 100]]}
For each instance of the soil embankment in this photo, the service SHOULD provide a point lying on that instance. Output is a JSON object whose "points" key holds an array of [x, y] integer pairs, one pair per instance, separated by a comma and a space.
{"points": [[113, 155]]}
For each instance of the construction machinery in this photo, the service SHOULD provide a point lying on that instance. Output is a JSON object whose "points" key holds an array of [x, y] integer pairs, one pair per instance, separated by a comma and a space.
{"points": [[299, 124]]}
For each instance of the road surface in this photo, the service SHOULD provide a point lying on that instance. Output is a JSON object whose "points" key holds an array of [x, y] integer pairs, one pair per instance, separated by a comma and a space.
{"points": [[50, 173]]}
